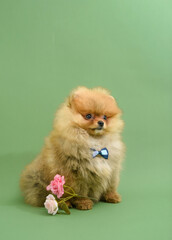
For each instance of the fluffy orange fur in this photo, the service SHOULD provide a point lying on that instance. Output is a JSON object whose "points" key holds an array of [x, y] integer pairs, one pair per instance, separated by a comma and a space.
{"points": [[67, 150]]}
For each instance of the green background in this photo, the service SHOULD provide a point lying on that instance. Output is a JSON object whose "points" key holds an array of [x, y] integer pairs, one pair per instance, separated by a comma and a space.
{"points": [[47, 48]]}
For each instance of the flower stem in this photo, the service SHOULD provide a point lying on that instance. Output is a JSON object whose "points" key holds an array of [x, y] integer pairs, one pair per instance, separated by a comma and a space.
{"points": [[69, 193], [66, 199], [69, 188]]}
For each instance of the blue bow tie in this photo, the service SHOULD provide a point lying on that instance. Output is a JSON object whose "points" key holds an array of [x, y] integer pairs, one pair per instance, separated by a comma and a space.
{"points": [[103, 152]]}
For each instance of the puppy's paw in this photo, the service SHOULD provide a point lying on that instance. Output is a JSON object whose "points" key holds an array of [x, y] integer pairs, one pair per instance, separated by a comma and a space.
{"points": [[112, 197], [82, 203]]}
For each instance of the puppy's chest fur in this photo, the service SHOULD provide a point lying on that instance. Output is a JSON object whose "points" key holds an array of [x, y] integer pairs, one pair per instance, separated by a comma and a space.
{"points": [[97, 169]]}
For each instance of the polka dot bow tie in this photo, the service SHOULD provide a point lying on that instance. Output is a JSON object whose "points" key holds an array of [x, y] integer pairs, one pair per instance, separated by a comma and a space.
{"points": [[103, 152]]}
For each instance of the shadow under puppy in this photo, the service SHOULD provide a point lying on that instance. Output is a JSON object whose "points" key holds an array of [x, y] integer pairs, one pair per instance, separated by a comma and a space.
{"points": [[87, 122]]}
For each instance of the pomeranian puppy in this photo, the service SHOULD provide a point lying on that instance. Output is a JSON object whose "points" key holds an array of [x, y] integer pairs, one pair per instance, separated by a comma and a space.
{"points": [[84, 146]]}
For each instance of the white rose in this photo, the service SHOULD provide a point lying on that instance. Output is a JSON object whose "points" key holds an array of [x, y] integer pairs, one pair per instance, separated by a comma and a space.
{"points": [[51, 204]]}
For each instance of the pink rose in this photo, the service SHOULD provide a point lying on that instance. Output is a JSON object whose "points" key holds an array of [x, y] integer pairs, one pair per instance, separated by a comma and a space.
{"points": [[56, 186], [51, 204]]}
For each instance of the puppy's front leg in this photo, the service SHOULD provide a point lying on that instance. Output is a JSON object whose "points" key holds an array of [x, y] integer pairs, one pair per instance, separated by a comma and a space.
{"points": [[111, 195], [82, 203]]}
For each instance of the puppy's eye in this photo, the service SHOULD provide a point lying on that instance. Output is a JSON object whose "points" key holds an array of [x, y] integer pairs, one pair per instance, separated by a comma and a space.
{"points": [[88, 116], [105, 117]]}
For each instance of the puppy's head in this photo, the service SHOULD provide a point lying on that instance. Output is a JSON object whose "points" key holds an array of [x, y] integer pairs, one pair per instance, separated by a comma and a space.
{"points": [[95, 110]]}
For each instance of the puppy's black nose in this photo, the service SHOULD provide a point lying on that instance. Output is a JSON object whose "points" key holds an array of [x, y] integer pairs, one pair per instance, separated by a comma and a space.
{"points": [[100, 123]]}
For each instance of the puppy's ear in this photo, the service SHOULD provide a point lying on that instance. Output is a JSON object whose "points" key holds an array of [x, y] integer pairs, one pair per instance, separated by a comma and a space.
{"points": [[118, 110], [72, 100], [112, 108], [75, 97]]}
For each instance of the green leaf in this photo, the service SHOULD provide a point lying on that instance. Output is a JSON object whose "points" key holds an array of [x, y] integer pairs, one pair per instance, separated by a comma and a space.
{"points": [[64, 207]]}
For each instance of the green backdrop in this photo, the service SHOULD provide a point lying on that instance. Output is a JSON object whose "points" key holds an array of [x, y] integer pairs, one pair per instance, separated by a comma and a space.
{"points": [[47, 48]]}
